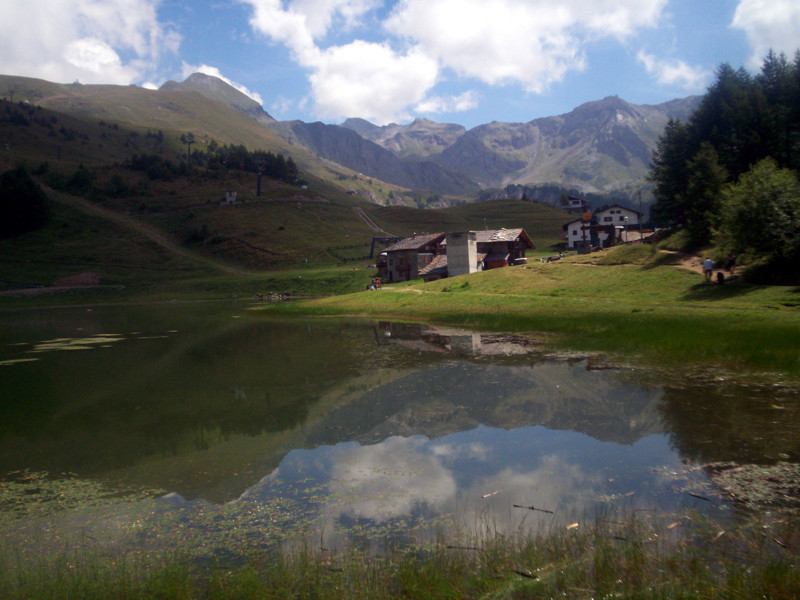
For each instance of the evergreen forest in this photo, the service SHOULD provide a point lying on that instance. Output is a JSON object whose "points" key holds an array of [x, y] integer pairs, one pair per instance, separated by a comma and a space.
{"points": [[728, 177]]}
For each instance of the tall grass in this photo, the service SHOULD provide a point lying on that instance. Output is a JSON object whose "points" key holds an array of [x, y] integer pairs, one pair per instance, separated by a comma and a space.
{"points": [[620, 556]]}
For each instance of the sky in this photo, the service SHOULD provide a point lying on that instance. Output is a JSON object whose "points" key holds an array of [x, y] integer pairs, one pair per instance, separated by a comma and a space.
{"points": [[452, 61]]}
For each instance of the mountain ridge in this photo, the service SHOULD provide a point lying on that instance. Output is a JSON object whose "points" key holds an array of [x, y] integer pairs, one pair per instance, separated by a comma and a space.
{"points": [[215, 88], [598, 147]]}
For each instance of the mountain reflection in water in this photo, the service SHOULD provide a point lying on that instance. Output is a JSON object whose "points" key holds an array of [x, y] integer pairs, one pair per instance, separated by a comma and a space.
{"points": [[338, 427]]}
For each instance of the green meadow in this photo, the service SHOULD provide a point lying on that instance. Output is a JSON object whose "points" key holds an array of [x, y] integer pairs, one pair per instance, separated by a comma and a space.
{"points": [[625, 302]]}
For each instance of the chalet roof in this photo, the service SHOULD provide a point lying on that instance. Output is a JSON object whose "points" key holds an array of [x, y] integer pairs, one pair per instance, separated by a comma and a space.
{"points": [[498, 235], [618, 206], [565, 225], [415, 242], [503, 235], [437, 266]]}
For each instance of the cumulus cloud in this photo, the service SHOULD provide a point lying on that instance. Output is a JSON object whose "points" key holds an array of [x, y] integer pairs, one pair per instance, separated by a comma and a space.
{"points": [[365, 79], [95, 41], [554, 484], [188, 69], [440, 104], [534, 43], [371, 81], [674, 72], [389, 480], [773, 24]]}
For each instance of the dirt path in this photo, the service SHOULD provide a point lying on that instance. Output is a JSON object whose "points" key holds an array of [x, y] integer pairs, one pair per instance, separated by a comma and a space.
{"points": [[370, 223], [694, 262], [148, 231]]}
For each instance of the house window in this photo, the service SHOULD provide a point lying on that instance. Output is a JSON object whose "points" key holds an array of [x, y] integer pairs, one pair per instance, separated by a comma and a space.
{"points": [[574, 232], [608, 219]]}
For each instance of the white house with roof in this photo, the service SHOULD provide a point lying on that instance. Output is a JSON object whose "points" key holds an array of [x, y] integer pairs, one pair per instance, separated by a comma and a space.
{"points": [[606, 223], [618, 216]]}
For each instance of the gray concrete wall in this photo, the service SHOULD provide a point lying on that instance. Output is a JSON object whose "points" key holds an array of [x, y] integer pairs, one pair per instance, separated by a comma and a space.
{"points": [[462, 253]]}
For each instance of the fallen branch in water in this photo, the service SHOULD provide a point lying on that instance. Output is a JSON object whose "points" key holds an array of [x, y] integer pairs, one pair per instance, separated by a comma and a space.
{"points": [[549, 512]]}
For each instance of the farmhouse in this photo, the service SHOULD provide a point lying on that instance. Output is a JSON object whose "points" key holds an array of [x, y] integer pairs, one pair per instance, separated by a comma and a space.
{"points": [[405, 258], [577, 204], [603, 229], [471, 251]]}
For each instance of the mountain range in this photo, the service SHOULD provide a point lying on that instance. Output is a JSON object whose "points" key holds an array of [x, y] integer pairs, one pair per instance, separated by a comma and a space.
{"points": [[598, 147]]}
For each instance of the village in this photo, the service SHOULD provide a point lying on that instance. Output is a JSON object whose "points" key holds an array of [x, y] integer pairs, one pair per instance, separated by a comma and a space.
{"points": [[434, 256]]}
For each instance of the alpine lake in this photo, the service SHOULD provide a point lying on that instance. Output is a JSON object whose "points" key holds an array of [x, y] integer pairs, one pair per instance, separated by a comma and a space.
{"points": [[211, 430]]}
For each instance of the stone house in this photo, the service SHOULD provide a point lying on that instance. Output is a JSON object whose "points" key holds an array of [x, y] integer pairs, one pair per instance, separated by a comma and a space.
{"points": [[471, 251], [406, 258]]}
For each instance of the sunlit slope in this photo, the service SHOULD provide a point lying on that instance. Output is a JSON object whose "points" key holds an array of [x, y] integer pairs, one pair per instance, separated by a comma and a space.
{"points": [[173, 112], [541, 221]]}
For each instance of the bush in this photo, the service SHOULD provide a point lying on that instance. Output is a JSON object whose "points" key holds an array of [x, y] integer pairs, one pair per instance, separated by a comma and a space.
{"points": [[23, 205], [761, 214]]}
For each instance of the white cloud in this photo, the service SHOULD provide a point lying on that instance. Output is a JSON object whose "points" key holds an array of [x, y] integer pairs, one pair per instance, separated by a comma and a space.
{"points": [[96, 57], [364, 79], [281, 106], [370, 81], [95, 41], [674, 72], [532, 42], [188, 69], [773, 24], [389, 480], [322, 15], [440, 104], [289, 27]]}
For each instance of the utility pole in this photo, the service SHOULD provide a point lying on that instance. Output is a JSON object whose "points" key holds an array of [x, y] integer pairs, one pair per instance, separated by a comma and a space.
{"points": [[188, 139], [641, 220]]}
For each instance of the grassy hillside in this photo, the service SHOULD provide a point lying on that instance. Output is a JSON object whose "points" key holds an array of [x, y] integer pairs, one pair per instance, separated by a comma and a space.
{"points": [[542, 221], [139, 231], [174, 112]]}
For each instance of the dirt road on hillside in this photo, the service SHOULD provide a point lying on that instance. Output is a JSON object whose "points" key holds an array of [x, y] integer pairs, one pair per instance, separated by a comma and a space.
{"points": [[148, 231]]}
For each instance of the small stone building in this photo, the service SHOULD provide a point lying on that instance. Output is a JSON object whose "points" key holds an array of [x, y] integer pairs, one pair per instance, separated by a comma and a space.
{"points": [[406, 258]]}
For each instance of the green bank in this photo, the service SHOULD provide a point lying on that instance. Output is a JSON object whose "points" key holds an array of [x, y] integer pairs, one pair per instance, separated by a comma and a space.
{"points": [[628, 302]]}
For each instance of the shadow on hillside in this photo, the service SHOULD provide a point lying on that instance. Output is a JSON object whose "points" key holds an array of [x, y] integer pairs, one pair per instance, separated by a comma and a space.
{"points": [[663, 259], [708, 291]]}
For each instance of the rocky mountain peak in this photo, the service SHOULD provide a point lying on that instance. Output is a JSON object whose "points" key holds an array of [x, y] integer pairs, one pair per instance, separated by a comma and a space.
{"points": [[216, 89]]}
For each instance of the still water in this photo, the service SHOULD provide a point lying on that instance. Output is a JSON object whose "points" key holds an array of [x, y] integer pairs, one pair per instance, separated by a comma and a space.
{"points": [[208, 427]]}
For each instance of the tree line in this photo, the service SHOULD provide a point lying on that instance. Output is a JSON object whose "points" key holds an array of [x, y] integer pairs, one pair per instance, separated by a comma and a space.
{"points": [[217, 160], [728, 176]]}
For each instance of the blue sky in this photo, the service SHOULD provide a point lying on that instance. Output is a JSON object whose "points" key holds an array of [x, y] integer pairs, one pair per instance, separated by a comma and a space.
{"points": [[455, 61]]}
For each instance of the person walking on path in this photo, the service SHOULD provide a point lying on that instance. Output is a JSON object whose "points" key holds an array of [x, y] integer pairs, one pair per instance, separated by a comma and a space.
{"points": [[731, 262], [708, 268]]}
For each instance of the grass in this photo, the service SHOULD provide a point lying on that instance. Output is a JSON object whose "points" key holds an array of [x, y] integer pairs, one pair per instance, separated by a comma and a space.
{"points": [[645, 311], [611, 556], [542, 222]]}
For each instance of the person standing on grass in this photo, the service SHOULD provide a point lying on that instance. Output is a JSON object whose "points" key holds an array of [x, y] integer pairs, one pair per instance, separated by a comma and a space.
{"points": [[731, 262], [708, 268]]}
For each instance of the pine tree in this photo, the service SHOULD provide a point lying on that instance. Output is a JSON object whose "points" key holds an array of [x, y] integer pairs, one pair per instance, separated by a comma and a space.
{"points": [[668, 173]]}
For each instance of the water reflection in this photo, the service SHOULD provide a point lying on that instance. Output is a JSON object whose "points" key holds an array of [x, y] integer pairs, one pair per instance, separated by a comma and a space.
{"points": [[335, 428]]}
